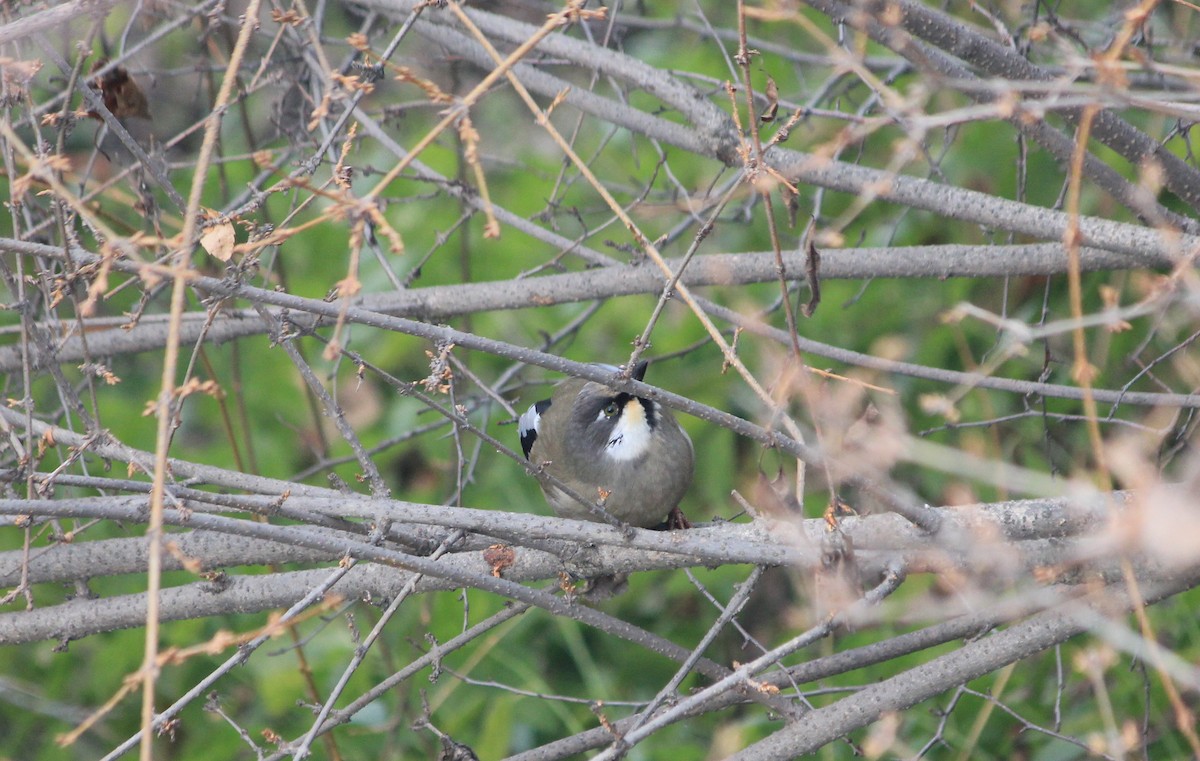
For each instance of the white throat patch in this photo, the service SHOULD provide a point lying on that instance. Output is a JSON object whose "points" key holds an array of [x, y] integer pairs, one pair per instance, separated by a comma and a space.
{"points": [[630, 437]]}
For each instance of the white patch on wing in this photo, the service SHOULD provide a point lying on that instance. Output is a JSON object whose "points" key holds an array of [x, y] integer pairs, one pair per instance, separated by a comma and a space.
{"points": [[530, 421], [529, 426], [631, 435]]}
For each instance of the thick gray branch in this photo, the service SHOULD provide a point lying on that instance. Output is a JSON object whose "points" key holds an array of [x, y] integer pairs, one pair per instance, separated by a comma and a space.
{"points": [[1000, 543], [972, 660], [1141, 244], [930, 59], [53, 18], [958, 39], [437, 303], [430, 303]]}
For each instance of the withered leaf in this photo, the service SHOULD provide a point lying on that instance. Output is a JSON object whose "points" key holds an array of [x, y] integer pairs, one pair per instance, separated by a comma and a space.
{"points": [[768, 115], [122, 96], [499, 557], [218, 240]]}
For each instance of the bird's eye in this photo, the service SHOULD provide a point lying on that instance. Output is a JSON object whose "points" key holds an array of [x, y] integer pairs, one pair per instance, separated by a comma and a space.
{"points": [[611, 409]]}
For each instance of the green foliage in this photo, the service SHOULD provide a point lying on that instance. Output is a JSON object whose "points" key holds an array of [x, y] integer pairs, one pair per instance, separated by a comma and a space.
{"points": [[541, 677]]}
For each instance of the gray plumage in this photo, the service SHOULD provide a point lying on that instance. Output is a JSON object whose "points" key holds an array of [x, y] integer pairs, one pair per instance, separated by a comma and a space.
{"points": [[593, 438]]}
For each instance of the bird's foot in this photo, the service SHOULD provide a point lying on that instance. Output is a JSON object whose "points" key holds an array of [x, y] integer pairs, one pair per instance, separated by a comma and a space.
{"points": [[677, 520]]}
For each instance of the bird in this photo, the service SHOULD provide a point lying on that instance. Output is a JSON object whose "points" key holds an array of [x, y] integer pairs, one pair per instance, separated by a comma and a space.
{"points": [[624, 452]]}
